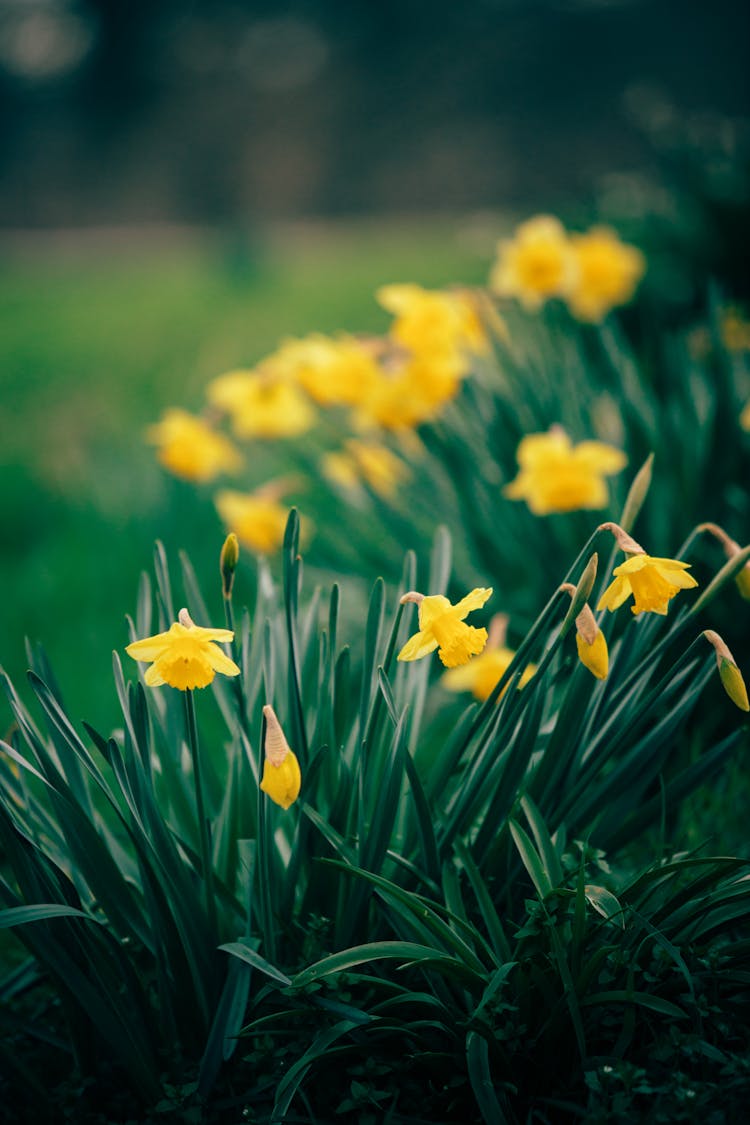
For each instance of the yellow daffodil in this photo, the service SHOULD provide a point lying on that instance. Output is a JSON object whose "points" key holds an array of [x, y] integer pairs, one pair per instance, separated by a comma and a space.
{"points": [[442, 627], [332, 370], [536, 264], [367, 461], [282, 778], [257, 518], [186, 656], [413, 390], [260, 406], [607, 272], [745, 417], [190, 449], [556, 476], [433, 321], [652, 583]]}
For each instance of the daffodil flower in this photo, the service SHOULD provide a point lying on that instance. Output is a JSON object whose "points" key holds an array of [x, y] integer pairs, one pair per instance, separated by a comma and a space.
{"points": [[282, 778], [189, 448], [256, 517], [652, 583], [557, 476], [536, 264], [186, 656], [442, 627], [607, 273]]}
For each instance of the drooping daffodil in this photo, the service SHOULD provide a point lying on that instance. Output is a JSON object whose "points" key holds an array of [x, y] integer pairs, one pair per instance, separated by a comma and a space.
{"points": [[442, 627]]}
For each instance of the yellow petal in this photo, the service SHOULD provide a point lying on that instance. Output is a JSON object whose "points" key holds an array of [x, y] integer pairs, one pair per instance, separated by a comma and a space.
{"points": [[150, 648], [421, 644], [600, 457], [615, 594], [431, 608], [474, 600], [220, 662]]}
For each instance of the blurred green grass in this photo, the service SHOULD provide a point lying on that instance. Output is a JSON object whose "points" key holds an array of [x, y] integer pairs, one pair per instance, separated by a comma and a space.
{"points": [[97, 336]]}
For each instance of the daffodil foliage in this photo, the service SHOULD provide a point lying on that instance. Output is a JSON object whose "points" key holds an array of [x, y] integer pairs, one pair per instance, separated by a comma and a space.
{"points": [[333, 842]]}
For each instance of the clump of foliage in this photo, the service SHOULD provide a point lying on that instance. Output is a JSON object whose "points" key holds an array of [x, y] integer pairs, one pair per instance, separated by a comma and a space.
{"points": [[456, 895]]}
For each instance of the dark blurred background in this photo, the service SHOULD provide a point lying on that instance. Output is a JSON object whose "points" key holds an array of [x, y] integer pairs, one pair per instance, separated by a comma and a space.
{"points": [[211, 111]]}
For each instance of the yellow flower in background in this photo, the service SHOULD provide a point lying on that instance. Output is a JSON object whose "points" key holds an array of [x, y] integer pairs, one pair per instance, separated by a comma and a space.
{"points": [[442, 627], [257, 518], [260, 406], [371, 462], [189, 448], [282, 779], [735, 331], [434, 321], [607, 272], [481, 674], [333, 370], [745, 417], [556, 476], [186, 656], [534, 265], [650, 581], [414, 390]]}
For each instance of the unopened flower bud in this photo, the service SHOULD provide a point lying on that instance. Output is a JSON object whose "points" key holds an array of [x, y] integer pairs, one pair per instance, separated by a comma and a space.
{"points": [[230, 554], [281, 779], [729, 673], [731, 550]]}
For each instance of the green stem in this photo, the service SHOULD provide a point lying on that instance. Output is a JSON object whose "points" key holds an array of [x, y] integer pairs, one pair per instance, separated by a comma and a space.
{"points": [[205, 839]]}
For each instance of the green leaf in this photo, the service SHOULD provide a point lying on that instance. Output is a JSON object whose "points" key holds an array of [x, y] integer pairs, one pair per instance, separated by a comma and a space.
{"points": [[531, 860], [247, 953], [21, 915], [605, 903]]}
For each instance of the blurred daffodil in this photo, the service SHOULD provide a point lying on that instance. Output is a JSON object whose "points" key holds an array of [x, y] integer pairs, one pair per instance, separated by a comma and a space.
{"points": [[434, 322], [745, 417], [260, 406], [606, 274], [442, 627], [186, 656], [652, 583], [189, 448], [536, 264], [482, 672], [368, 461], [556, 476], [735, 331], [282, 778], [257, 518], [334, 371]]}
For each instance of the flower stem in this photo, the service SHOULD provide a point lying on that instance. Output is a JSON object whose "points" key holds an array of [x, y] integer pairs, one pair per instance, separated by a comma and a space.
{"points": [[205, 838]]}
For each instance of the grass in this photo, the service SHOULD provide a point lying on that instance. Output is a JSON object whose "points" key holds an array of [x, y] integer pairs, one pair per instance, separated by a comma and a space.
{"points": [[98, 336]]}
